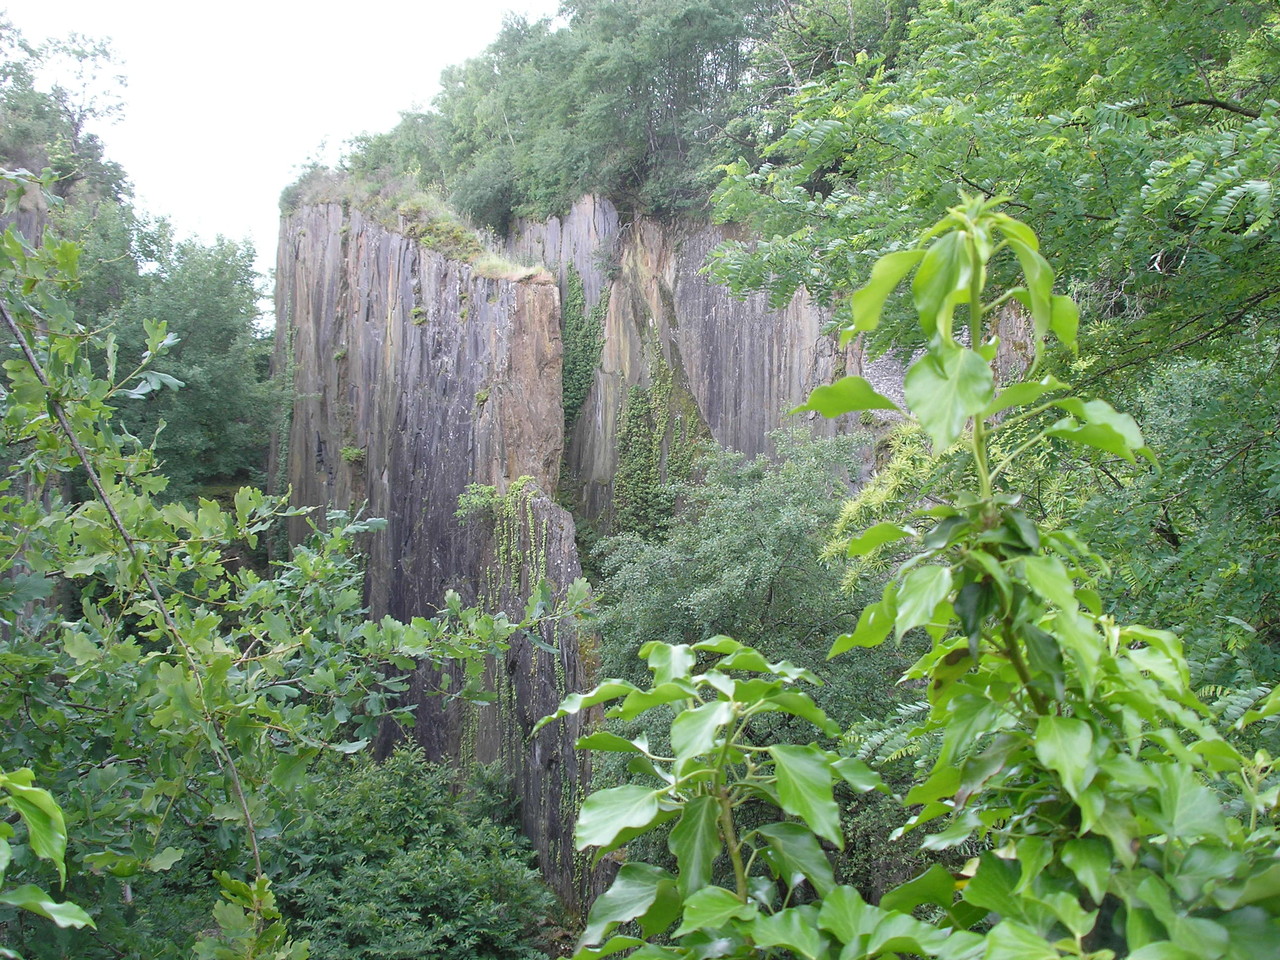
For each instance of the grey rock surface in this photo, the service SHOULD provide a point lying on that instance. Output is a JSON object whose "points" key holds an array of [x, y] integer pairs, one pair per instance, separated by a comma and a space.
{"points": [[413, 378], [743, 363]]}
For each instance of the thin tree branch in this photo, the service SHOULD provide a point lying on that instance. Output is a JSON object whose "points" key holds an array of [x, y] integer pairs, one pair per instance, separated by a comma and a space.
{"points": [[1220, 105]]}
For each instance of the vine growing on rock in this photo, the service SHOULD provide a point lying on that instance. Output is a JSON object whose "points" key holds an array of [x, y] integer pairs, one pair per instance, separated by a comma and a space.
{"points": [[657, 441], [1111, 816], [582, 331], [520, 541]]}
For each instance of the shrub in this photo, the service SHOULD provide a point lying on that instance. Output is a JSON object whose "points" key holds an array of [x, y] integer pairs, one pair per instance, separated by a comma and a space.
{"points": [[393, 860]]}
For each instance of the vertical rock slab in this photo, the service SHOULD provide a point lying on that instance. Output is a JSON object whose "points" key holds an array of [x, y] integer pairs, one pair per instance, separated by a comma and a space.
{"points": [[413, 377], [736, 365], [31, 215]]}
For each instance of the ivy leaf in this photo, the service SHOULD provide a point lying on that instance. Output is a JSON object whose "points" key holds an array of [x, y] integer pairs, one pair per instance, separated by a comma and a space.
{"points": [[935, 886], [1064, 319], [693, 732], [607, 742], [942, 278], [795, 928], [1010, 940], [1165, 950], [638, 701], [991, 887], [874, 625], [804, 789], [801, 705], [1097, 424], [577, 702], [858, 775], [1021, 394], [1039, 284], [608, 948], [606, 813], [974, 602], [946, 387], [1049, 578], [1015, 230], [846, 395], [1188, 809], [635, 892], [867, 301], [847, 915], [1090, 860], [877, 536], [900, 933], [794, 854], [696, 843], [745, 659], [719, 644], [712, 907], [669, 662], [921, 592], [1065, 746]]}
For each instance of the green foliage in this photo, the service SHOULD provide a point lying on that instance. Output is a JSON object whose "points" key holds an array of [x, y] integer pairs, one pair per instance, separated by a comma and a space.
{"points": [[1113, 817], [582, 333], [741, 556], [715, 767], [1137, 140], [658, 432], [152, 680], [207, 404], [435, 877], [46, 130], [209, 397], [249, 925], [477, 500], [1212, 422], [623, 100], [641, 504]]}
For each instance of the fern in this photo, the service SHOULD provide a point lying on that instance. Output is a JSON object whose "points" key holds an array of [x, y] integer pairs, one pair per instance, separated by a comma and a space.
{"points": [[883, 742]]}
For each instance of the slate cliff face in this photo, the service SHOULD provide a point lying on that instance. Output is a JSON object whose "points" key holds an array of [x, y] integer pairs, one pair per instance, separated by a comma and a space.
{"points": [[414, 377], [737, 366]]}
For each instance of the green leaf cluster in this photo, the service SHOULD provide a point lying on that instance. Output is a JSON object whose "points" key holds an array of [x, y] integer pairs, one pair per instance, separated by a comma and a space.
{"points": [[154, 683], [621, 99], [1112, 811], [436, 877]]}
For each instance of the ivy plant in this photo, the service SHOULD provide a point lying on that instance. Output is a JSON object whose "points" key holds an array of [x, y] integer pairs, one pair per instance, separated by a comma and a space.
{"points": [[1113, 817]]}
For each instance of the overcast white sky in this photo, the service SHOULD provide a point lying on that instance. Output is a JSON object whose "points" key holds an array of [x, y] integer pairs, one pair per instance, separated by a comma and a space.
{"points": [[225, 101]]}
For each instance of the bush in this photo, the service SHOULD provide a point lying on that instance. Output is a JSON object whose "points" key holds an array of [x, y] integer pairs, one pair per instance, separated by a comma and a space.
{"points": [[393, 860]]}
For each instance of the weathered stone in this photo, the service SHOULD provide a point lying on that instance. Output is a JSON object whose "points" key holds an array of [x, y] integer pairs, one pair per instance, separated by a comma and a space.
{"points": [[743, 363], [31, 215], [430, 378], [413, 378]]}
